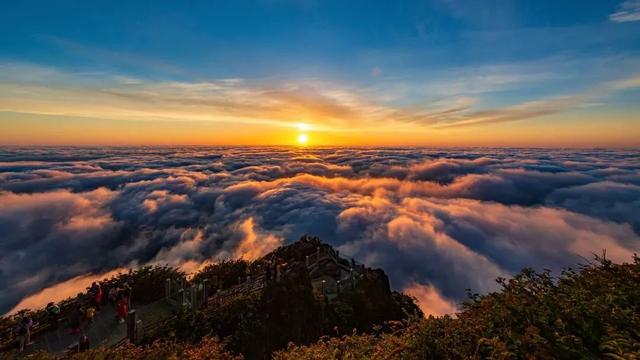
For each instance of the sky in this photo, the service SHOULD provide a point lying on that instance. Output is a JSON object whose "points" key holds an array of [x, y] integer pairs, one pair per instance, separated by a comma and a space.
{"points": [[340, 73]]}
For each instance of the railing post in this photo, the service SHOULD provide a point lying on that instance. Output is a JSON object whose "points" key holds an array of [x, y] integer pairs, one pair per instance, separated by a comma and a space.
{"points": [[181, 298], [278, 273], [205, 290], [193, 295], [353, 283], [139, 331], [131, 326], [167, 289], [307, 260]]}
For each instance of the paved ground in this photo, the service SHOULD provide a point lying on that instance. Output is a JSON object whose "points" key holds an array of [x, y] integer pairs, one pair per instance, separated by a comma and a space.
{"points": [[105, 330]]}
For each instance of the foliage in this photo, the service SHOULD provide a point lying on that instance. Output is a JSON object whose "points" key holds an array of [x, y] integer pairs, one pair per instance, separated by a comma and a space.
{"points": [[208, 349], [147, 283], [223, 275]]}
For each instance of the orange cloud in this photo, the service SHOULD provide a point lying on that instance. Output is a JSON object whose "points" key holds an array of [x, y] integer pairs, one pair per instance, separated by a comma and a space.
{"points": [[430, 300], [61, 291], [158, 198], [254, 244]]}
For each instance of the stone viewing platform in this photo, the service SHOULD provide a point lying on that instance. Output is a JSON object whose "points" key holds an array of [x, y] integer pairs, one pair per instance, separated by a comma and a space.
{"points": [[330, 275]]}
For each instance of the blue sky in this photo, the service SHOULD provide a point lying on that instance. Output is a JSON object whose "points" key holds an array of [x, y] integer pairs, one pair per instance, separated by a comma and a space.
{"points": [[343, 38], [435, 55]]}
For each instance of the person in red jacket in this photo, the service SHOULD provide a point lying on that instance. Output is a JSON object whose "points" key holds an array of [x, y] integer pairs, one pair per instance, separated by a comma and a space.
{"points": [[97, 296], [122, 309], [83, 344]]}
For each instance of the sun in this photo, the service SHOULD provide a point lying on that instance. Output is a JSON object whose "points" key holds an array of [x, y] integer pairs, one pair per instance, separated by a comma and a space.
{"points": [[303, 139]]}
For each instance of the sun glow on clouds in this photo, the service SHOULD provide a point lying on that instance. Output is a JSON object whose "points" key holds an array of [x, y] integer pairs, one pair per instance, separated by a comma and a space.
{"points": [[475, 214], [62, 291], [102, 109]]}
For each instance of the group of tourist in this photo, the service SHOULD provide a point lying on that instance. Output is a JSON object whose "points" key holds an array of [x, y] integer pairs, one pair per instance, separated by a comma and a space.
{"points": [[84, 309]]}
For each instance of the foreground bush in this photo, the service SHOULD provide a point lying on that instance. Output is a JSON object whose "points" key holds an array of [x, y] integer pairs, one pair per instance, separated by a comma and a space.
{"points": [[589, 313], [207, 349], [592, 313]]}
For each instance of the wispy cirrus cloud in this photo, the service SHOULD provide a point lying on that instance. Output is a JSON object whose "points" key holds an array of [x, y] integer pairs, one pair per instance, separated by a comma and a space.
{"points": [[284, 103], [542, 107], [627, 11]]}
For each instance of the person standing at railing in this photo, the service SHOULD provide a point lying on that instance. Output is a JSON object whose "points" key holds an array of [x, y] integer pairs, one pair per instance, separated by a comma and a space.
{"points": [[126, 290], [75, 318], [53, 312], [112, 295], [121, 310], [83, 344], [23, 331], [96, 295], [91, 314]]}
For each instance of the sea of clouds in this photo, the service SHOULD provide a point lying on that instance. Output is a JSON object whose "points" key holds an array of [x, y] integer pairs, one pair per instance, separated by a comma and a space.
{"points": [[438, 221]]}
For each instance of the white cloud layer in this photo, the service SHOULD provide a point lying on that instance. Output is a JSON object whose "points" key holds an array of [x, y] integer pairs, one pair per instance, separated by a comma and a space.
{"points": [[437, 221]]}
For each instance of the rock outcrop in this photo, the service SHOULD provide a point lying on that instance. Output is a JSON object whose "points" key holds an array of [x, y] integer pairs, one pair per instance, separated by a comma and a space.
{"points": [[297, 293]]}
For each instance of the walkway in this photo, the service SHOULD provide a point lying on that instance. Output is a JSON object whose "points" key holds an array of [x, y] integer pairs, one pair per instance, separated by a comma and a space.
{"points": [[105, 330]]}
